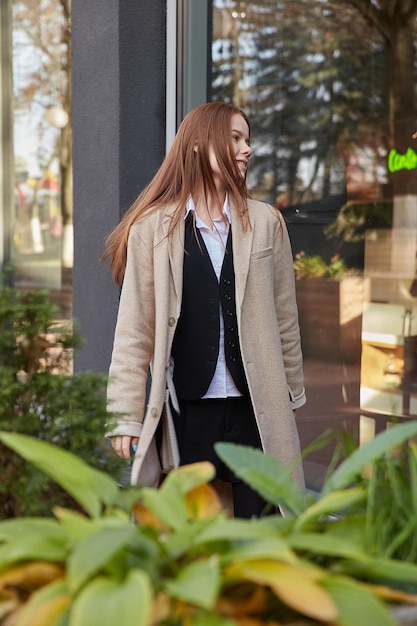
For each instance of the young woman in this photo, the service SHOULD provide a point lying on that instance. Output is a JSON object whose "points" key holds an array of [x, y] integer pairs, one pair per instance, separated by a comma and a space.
{"points": [[208, 286]]}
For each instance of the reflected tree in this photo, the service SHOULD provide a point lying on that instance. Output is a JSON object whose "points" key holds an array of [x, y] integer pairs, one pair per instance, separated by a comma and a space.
{"points": [[42, 31], [313, 78], [395, 22]]}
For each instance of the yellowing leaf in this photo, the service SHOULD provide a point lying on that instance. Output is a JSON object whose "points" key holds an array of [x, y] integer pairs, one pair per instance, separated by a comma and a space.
{"points": [[7, 608], [145, 517], [31, 575], [387, 593], [296, 586], [161, 608], [188, 477], [248, 604], [202, 502], [45, 606]]}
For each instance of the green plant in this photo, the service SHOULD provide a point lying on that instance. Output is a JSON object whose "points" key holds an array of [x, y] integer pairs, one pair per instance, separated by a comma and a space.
{"points": [[184, 563], [40, 396], [355, 218], [314, 266]]}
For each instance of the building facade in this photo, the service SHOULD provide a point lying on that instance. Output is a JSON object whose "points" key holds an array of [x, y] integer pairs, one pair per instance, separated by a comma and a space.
{"points": [[330, 88]]}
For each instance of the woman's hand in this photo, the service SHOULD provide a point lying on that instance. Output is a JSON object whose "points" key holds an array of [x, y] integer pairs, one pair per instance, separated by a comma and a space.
{"points": [[124, 445]]}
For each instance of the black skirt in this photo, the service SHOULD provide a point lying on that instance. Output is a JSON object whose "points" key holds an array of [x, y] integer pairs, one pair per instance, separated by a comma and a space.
{"points": [[202, 423]]}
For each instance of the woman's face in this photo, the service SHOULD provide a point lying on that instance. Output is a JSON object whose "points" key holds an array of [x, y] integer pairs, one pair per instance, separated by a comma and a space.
{"points": [[241, 149]]}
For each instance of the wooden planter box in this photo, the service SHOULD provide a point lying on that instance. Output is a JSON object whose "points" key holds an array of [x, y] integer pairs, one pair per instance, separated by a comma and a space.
{"points": [[330, 316]]}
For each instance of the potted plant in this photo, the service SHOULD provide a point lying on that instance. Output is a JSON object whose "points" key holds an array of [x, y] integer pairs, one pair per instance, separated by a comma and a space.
{"points": [[330, 299], [331, 559]]}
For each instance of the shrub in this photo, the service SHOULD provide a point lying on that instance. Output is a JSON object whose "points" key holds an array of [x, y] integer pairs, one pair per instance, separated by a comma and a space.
{"points": [[39, 396]]}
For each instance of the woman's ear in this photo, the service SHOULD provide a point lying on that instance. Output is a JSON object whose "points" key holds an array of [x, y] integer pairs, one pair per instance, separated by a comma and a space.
{"points": [[195, 147]]}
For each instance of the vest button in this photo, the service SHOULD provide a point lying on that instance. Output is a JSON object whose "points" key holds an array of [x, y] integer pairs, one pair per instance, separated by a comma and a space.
{"points": [[154, 412], [171, 321], [227, 281], [227, 297]]}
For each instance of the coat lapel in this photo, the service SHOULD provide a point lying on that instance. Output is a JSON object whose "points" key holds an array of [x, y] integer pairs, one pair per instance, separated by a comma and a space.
{"points": [[242, 248], [175, 245]]}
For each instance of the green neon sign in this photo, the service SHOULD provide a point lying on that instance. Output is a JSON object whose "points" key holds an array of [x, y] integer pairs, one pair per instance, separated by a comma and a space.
{"points": [[398, 162]]}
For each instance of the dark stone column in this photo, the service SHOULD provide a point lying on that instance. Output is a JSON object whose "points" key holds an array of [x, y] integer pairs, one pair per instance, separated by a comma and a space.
{"points": [[119, 142]]}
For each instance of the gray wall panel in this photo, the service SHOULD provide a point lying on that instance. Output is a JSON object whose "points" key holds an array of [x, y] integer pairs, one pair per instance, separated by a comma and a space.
{"points": [[119, 142]]}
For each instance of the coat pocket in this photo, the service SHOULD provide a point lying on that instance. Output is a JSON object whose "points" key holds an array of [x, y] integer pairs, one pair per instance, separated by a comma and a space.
{"points": [[261, 254]]}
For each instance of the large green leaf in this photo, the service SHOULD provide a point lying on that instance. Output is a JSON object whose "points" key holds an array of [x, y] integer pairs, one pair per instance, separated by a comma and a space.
{"points": [[330, 504], [88, 486], [356, 605], [225, 529], [167, 504], [266, 475], [384, 570], [353, 466], [210, 619], [246, 538], [107, 602], [91, 555], [187, 477], [324, 544], [269, 548], [75, 525], [197, 583], [32, 539]]}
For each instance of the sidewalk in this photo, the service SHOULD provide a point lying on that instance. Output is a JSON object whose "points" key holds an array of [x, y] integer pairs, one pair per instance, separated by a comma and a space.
{"points": [[332, 391]]}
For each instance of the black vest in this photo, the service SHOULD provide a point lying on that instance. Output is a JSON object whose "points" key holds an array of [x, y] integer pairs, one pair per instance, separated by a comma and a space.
{"points": [[196, 342]]}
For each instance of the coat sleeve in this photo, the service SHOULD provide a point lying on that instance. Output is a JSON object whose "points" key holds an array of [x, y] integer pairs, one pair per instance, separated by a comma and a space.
{"points": [[287, 314], [133, 341]]}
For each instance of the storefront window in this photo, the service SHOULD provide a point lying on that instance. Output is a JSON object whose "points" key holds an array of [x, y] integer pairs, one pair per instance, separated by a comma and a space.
{"points": [[329, 87], [42, 233]]}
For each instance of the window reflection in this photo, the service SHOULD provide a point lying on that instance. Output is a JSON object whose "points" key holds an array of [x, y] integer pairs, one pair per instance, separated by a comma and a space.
{"points": [[329, 89], [42, 244]]}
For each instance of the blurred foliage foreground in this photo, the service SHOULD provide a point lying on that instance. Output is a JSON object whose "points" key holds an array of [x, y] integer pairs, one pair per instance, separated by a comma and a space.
{"points": [[171, 556], [39, 396]]}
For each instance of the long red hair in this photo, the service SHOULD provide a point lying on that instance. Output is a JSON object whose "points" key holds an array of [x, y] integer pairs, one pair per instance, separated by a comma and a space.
{"points": [[186, 172]]}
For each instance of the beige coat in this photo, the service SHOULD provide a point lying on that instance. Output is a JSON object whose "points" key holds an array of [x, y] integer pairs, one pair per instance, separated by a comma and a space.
{"points": [[269, 335]]}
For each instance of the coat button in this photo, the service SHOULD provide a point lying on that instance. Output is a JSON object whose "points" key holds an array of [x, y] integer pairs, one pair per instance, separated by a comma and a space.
{"points": [[154, 412], [171, 321]]}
